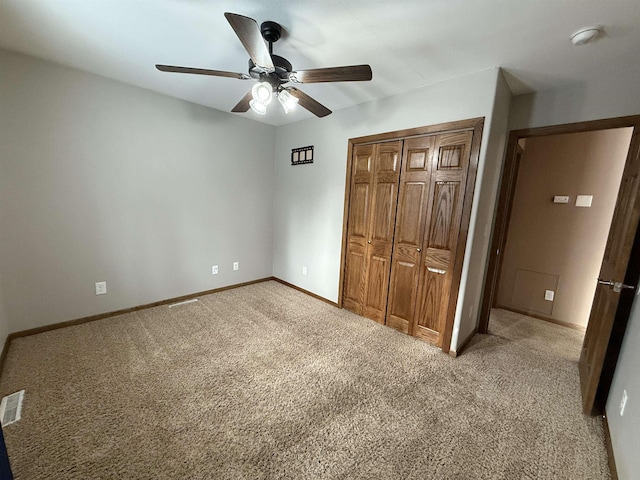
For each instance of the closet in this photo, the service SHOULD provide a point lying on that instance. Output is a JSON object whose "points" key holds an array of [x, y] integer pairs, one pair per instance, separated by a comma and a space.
{"points": [[407, 213]]}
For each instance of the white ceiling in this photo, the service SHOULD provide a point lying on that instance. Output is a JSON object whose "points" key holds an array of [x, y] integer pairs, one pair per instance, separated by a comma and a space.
{"points": [[408, 43]]}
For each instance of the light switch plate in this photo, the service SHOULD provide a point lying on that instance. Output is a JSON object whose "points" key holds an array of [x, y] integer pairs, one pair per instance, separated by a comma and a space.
{"points": [[584, 200], [561, 199], [548, 295]]}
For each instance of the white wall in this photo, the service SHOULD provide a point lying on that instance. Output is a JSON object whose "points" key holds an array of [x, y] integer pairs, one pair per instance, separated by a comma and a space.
{"points": [[482, 217], [618, 97], [101, 181], [625, 431], [309, 199]]}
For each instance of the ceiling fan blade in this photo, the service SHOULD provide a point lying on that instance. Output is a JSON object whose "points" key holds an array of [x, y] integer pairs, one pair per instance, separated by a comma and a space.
{"points": [[243, 105], [353, 73], [305, 101], [202, 71], [249, 34]]}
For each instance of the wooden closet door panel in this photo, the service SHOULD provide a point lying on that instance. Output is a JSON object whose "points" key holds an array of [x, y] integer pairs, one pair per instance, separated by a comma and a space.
{"points": [[384, 198], [412, 209], [358, 228], [450, 164]]}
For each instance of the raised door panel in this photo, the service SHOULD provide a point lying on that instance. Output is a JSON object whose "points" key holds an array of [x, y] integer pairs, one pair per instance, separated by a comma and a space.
{"points": [[386, 175], [384, 212], [442, 231], [453, 152], [358, 228], [450, 164], [409, 231], [377, 281], [359, 210], [353, 283]]}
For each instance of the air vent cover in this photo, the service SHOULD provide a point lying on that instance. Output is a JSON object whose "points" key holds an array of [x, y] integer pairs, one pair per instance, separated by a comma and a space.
{"points": [[11, 408]]}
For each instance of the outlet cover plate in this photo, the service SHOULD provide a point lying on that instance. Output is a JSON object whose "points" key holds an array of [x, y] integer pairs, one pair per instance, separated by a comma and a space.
{"points": [[101, 288], [214, 270], [236, 266], [548, 295]]}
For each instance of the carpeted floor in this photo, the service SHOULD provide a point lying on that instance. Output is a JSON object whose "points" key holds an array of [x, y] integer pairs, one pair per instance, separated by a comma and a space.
{"points": [[265, 382]]}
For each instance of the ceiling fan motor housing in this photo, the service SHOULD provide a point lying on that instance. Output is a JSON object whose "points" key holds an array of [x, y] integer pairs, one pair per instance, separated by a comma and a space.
{"points": [[281, 75], [271, 31]]}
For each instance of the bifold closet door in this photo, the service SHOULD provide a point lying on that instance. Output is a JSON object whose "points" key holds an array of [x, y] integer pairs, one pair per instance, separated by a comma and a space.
{"points": [[372, 214], [447, 187], [410, 221]]}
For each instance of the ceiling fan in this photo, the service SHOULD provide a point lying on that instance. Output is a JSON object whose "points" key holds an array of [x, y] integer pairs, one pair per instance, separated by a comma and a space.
{"points": [[273, 71]]}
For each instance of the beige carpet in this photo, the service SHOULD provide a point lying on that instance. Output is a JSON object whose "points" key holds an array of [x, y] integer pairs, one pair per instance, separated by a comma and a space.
{"points": [[266, 382]]}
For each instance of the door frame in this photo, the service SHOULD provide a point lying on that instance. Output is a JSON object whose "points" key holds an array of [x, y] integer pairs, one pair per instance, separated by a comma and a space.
{"points": [[475, 124], [507, 187], [501, 225]]}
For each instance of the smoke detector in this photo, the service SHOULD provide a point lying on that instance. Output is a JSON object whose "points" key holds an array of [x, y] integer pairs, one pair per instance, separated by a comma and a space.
{"points": [[585, 35]]}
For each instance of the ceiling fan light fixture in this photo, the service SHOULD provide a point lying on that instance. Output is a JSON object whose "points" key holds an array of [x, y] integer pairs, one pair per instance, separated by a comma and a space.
{"points": [[258, 107], [262, 93], [287, 100]]}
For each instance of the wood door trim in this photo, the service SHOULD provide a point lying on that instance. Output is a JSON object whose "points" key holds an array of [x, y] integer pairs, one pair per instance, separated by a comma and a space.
{"points": [[449, 127], [474, 124], [588, 126], [345, 218], [500, 229], [498, 234]]}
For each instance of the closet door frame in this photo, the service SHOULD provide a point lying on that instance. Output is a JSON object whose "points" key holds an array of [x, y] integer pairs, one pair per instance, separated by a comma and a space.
{"points": [[473, 124]]}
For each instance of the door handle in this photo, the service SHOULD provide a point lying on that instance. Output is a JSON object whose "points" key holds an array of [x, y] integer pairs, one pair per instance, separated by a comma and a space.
{"points": [[437, 270], [419, 249], [368, 241], [617, 286]]}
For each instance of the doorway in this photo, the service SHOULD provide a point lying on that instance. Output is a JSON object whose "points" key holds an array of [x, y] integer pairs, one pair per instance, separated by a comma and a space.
{"points": [[620, 239], [562, 208]]}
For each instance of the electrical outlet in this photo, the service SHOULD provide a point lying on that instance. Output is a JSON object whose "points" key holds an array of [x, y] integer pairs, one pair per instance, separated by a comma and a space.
{"points": [[548, 295], [623, 402], [214, 270], [236, 266], [101, 288], [304, 270]]}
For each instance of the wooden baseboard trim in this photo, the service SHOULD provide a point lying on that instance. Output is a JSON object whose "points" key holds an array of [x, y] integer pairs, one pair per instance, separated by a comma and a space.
{"points": [[546, 319], [307, 292], [463, 345], [101, 316], [609, 447], [5, 350]]}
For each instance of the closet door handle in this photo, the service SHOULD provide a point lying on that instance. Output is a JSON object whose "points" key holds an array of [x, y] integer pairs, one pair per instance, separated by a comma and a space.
{"points": [[419, 249], [368, 241], [436, 270]]}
